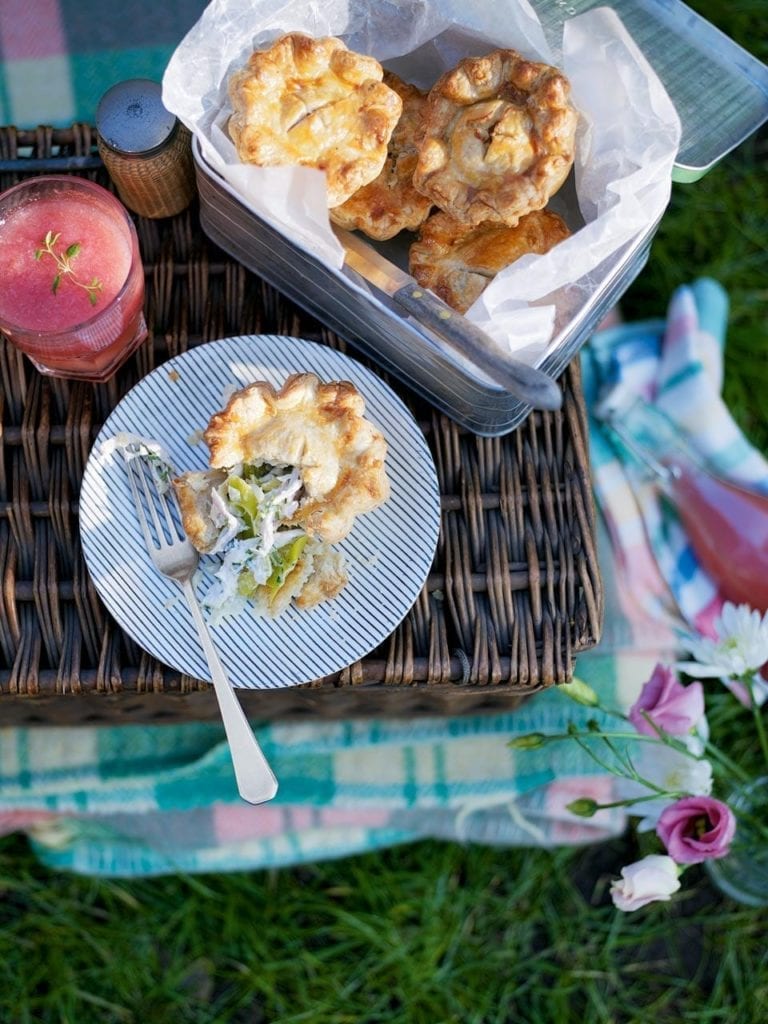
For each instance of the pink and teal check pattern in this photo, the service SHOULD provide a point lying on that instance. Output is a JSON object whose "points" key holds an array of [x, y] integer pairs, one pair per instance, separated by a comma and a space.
{"points": [[138, 801], [58, 57]]}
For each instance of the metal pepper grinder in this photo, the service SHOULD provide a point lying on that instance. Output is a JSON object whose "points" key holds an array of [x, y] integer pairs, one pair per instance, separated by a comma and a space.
{"points": [[145, 148]]}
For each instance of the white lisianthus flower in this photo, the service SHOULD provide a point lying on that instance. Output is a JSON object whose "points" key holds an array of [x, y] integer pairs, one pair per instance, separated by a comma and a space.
{"points": [[671, 771], [652, 879], [676, 772], [740, 648]]}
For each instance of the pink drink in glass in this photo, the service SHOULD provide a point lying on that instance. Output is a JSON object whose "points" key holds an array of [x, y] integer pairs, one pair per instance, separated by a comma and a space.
{"points": [[72, 286]]}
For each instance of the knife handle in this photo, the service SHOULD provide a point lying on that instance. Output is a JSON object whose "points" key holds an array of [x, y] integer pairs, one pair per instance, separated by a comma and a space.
{"points": [[524, 382]]}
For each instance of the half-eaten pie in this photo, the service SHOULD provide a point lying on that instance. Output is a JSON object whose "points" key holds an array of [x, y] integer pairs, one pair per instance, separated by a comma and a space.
{"points": [[314, 102], [290, 471], [499, 138]]}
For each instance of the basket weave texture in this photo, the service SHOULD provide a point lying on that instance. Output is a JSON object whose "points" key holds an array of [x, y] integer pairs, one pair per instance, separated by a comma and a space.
{"points": [[514, 593], [158, 185]]}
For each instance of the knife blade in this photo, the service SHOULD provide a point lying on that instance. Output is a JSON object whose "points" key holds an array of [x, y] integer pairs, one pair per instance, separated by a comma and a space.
{"points": [[524, 382]]}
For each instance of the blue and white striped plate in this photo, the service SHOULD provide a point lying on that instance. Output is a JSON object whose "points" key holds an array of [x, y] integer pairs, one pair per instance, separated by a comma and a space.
{"points": [[389, 550]]}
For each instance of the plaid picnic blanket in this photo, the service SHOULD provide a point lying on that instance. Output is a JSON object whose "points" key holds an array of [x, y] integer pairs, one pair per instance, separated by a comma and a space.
{"points": [[59, 57], [131, 800]]}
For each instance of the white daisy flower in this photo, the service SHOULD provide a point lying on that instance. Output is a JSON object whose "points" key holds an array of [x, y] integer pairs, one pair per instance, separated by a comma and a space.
{"points": [[739, 649]]}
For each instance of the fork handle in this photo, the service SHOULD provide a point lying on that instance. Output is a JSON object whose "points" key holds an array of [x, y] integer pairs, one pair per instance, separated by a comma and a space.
{"points": [[256, 782]]}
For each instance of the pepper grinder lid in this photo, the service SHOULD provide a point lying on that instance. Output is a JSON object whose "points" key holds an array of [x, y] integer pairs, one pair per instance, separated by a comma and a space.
{"points": [[131, 118]]}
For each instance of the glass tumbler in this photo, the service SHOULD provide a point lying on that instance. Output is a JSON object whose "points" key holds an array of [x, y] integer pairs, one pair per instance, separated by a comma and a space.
{"points": [[72, 294]]}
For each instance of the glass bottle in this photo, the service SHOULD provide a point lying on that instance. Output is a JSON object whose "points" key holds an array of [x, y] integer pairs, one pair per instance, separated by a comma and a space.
{"points": [[727, 524]]}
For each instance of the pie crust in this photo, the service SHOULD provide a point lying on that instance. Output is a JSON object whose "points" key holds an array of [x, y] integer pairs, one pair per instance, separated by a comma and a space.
{"points": [[318, 427], [390, 203], [315, 103], [457, 261], [499, 138]]}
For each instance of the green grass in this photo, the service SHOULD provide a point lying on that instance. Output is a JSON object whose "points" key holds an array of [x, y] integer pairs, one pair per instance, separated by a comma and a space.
{"points": [[716, 227], [428, 933], [434, 932]]}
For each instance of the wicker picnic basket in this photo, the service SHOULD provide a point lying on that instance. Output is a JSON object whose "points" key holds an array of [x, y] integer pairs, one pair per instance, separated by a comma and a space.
{"points": [[514, 593]]}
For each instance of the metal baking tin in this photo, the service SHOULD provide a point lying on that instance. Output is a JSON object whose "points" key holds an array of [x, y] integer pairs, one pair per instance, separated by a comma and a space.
{"points": [[689, 55]]}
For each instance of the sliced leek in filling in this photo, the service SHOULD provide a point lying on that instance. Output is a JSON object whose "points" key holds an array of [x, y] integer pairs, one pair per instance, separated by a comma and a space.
{"points": [[262, 552]]}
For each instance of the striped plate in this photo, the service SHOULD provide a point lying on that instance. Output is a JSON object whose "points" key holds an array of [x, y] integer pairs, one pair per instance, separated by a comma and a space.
{"points": [[389, 550]]}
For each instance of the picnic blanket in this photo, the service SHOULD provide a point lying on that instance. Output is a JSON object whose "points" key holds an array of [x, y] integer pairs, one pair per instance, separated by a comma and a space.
{"points": [[59, 57], [131, 800]]}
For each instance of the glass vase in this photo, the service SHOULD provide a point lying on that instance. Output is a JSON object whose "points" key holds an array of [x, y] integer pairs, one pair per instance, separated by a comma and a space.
{"points": [[743, 874]]}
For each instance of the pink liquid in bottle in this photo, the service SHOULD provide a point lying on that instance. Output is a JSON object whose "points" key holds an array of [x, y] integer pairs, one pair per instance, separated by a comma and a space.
{"points": [[728, 529], [726, 524]]}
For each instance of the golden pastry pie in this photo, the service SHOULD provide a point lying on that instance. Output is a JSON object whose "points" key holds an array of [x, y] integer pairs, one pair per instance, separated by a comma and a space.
{"points": [[194, 492], [314, 102], [499, 138], [290, 471], [390, 203], [326, 579], [457, 261]]}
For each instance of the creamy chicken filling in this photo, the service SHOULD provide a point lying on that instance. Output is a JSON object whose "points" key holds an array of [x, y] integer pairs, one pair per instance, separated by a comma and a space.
{"points": [[252, 509]]}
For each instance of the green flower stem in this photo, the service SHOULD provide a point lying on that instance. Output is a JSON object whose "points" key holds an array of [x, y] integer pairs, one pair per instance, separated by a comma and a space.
{"points": [[758, 717], [721, 760], [627, 773], [586, 747], [641, 737], [726, 762], [711, 749], [639, 800]]}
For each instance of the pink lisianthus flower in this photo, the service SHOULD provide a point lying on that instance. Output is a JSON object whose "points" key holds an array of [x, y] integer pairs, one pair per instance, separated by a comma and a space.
{"points": [[675, 708], [653, 878], [696, 828]]}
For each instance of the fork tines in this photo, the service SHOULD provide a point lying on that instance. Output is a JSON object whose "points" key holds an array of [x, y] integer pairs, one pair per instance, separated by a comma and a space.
{"points": [[148, 497]]}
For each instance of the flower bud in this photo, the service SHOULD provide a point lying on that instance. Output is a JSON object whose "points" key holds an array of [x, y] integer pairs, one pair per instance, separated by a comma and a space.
{"points": [[530, 741], [665, 704], [653, 878], [585, 807], [581, 692]]}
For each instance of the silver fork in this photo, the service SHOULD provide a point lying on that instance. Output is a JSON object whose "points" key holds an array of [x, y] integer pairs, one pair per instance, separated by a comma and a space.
{"points": [[177, 559]]}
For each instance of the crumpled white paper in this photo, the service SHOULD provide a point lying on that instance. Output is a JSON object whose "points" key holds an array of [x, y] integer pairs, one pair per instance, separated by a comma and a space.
{"points": [[627, 140]]}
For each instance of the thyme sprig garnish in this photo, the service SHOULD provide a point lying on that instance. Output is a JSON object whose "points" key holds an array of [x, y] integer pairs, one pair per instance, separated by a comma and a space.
{"points": [[64, 266]]}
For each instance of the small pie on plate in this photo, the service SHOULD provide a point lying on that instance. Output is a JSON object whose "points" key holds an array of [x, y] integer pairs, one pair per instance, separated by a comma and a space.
{"points": [[314, 102], [320, 429], [457, 261], [499, 138], [290, 469]]}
